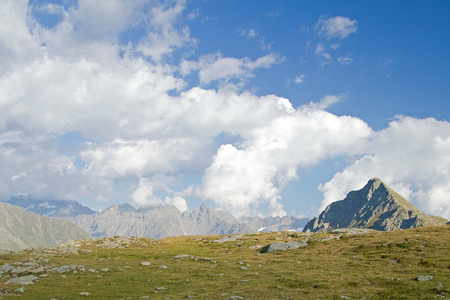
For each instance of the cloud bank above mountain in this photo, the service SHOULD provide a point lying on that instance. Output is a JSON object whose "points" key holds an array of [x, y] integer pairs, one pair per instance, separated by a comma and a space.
{"points": [[86, 107]]}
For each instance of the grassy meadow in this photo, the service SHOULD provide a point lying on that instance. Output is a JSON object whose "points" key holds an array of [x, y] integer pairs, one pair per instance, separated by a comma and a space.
{"points": [[373, 265]]}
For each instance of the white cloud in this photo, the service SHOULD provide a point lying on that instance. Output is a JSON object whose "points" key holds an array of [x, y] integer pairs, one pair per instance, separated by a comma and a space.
{"points": [[17, 45], [411, 155], [177, 201], [345, 60], [337, 27], [300, 78], [249, 33], [320, 51], [325, 102], [164, 37], [241, 178], [216, 67], [144, 194]]}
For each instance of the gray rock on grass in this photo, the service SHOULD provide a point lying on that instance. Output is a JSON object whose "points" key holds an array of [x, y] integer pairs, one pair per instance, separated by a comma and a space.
{"points": [[23, 280], [289, 245], [424, 278]]}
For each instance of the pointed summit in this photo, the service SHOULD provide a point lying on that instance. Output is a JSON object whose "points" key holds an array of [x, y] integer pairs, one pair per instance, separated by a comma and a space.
{"points": [[375, 206]]}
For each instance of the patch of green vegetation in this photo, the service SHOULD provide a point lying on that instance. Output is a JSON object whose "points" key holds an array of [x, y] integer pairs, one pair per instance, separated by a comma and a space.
{"points": [[375, 265]]}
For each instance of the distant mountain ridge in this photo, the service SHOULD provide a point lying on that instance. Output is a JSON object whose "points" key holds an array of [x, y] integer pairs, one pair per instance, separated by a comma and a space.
{"points": [[166, 220], [375, 206], [20, 229], [155, 221], [51, 207]]}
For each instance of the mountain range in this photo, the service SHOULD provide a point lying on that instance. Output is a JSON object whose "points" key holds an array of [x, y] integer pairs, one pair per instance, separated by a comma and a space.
{"points": [[28, 223], [375, 206], [166, 220], [157, 221]]}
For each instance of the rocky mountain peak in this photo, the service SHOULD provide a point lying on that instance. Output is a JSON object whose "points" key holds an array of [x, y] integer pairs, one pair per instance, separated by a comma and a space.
{"points": [[375, 206]]}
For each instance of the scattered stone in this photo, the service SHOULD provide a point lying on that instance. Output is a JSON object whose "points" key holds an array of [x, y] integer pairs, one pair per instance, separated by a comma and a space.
{"points": [[232, 238], [256, 247], [331, 237], [64, 269], [424, 278], [104, 270], [23, 280], [19, 270], [5, 268], [161, 288], [237, 297], [163, 267], [20, 290], [84, 293], [192, 296], [290, 245], [38, 270], [145, 263], [182, 256]]}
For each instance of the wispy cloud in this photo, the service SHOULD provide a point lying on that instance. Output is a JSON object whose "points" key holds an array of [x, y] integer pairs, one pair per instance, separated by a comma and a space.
{"points": [[336, 27], [345, 60], [216, 67], [248, 33], [300, 78]]}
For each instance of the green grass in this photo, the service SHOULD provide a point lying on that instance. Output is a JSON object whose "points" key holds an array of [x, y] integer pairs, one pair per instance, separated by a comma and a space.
{"points": [[376, 265]]}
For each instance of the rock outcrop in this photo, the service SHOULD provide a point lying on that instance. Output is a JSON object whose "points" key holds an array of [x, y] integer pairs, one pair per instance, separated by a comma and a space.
{"points": [[375, 206], [20, 229]]}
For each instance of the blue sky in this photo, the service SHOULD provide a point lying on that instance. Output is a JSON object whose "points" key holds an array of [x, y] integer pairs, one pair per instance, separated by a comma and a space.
{"points": [[254, 107]]}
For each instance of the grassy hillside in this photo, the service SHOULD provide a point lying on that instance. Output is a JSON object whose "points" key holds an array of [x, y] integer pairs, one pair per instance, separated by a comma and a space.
{"points": [[409, 264], [21, 229]]}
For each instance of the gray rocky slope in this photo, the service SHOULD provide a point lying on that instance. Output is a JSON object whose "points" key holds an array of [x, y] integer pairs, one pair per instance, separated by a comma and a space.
{"points": [[51, 207], [375, 206], [20, 229], [166, 220]]}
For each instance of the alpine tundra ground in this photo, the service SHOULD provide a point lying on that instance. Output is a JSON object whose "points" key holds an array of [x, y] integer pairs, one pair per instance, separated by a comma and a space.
{"points": [[407, 264]]}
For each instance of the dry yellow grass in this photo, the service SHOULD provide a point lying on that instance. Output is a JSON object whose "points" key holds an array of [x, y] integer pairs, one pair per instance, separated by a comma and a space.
{"points": [[374, 265]]}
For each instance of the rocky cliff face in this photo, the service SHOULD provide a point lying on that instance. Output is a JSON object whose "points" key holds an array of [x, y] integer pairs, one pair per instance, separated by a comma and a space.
{"points": [[20, 229], [165, 220], [375, 206]]}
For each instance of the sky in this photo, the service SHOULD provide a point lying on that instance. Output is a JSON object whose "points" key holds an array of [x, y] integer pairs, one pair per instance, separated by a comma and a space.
{"points": [[253, 107]]}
